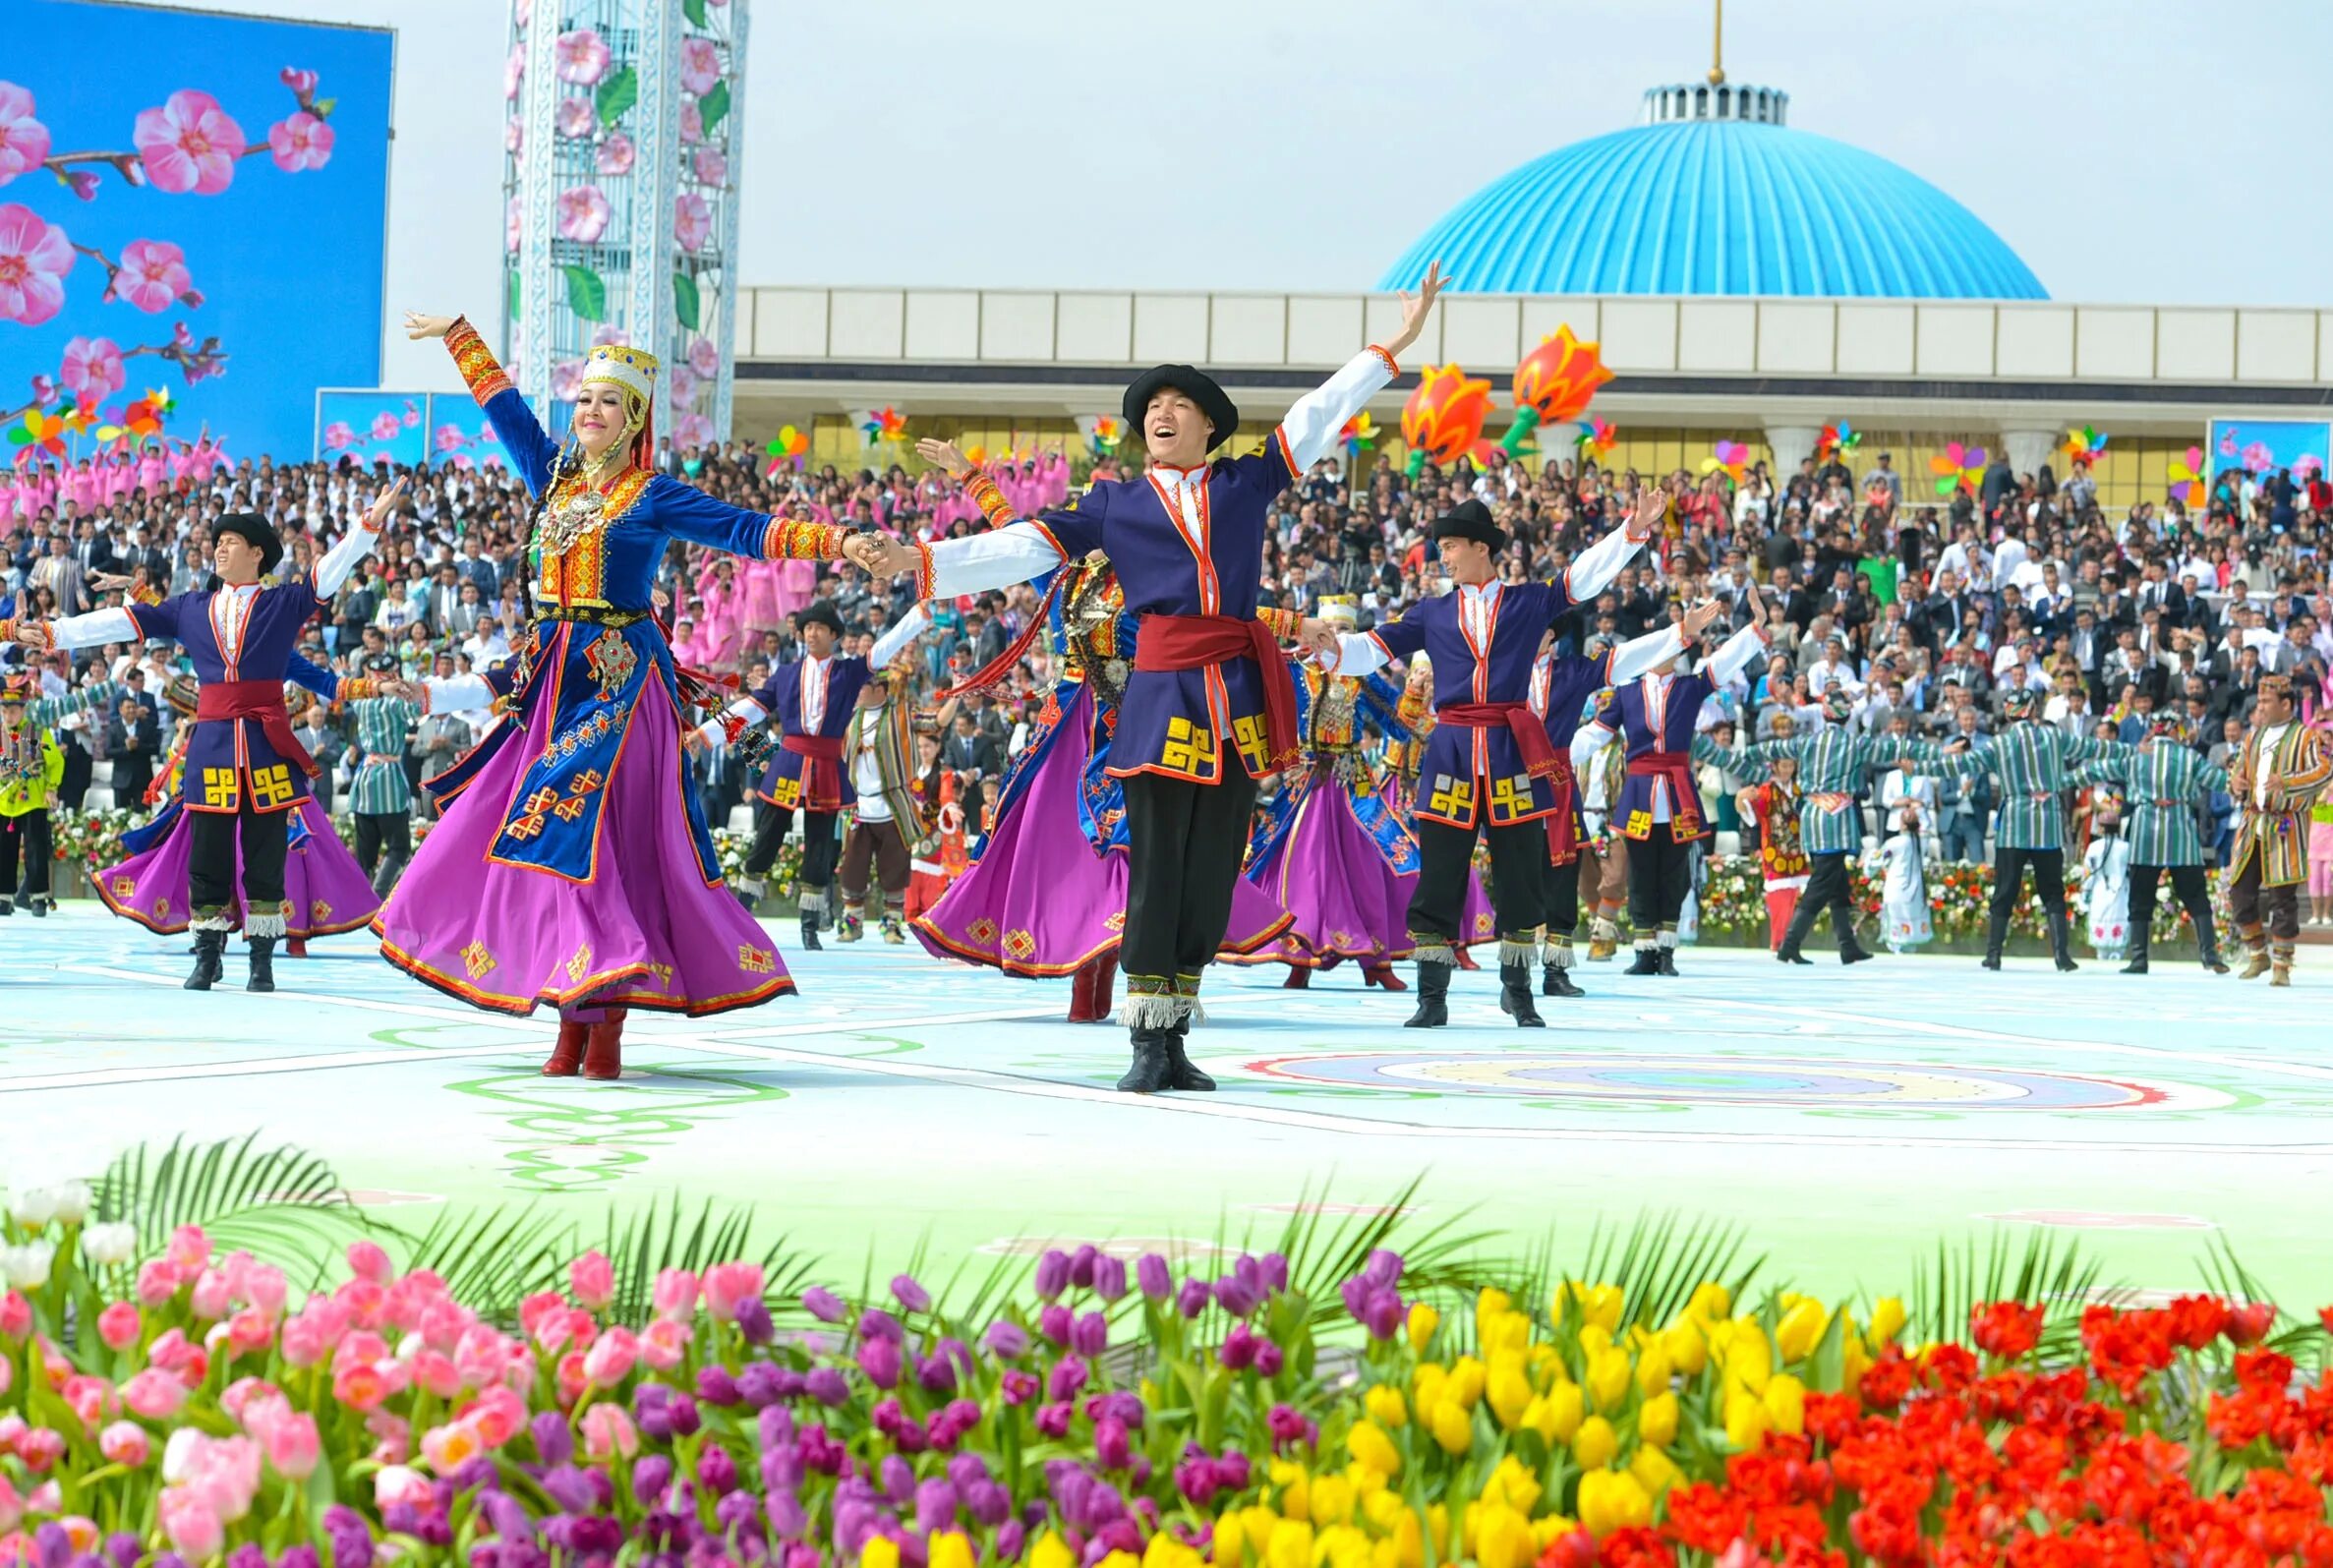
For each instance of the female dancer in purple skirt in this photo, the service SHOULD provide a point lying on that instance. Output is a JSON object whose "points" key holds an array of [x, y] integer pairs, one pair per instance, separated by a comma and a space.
{"points": [[573, 866]]}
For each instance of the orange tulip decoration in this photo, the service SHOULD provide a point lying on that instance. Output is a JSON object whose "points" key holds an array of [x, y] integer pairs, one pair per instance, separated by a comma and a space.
{"points": [[1443, 418], [1555, 384]]}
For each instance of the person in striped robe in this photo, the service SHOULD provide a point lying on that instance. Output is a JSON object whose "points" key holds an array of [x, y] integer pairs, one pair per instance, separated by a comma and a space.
{"points": [[2030, 761], [1832, 765], [2284, 765], [2160, 778]]}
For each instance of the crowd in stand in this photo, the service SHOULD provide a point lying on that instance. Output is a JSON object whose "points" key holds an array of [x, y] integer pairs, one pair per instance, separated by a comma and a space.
{"points": [[1927, 613]]}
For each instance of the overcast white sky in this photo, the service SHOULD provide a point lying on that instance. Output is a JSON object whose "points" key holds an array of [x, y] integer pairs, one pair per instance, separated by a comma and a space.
{"points": [[1055, 142]]}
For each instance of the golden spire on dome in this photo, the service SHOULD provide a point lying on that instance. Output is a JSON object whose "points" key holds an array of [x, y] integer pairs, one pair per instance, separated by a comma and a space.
{"points": [[1717, 47]]}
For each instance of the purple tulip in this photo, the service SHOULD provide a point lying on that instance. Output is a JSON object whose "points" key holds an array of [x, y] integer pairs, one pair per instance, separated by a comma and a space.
{"points": [[736, 1510], [1275, 1271], [899, 1480], [1067, 1378], [1018, 1387], [1289, 1427], [935, 1376], [169, 1559], [1234, 1294], [788, 1519], [1081, 1265], [1053, 1274], [125, 1549], [759, 1385], [1248, 1269], [1268, 1359], [1006, 1340], [1384, 1269], [1109, 1277], [1151, 1273], [1238, 1352], [754, 1321], [653, 1406], [1119, 1406], [1090, 1335], [555, 1444], [686, 1417], [1191, 1300], [1232, 1467], [1384, 1317], [717, 1471], [1196, 1479], [1011, 1536], [801, 1554], [564, 1485], [910, 1295], [714, 1386], [823, 1453], [823, 1305], [303, 1556], [249, 1554], [879, 1358], [1053, 1421], [964, 1471], [826, 1385], [1112, 1449], [650, 1477], [936, 1503], [876, 1323], [988, 1504], [1356, 1293]]}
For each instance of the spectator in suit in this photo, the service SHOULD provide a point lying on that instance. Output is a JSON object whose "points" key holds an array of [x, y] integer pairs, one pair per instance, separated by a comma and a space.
{"points": [[1965, 805], [62, 577], [134, 739], [442, 602], [476, 568], [973, 755]]}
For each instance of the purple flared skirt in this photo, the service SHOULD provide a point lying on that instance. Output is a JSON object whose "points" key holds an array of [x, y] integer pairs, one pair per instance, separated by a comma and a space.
{"points": [[650, 926], [1041, 901], [324, 890]]}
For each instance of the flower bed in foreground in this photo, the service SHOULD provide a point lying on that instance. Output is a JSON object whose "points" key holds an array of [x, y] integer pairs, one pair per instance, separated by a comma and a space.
{"points": [[186, 1410]]}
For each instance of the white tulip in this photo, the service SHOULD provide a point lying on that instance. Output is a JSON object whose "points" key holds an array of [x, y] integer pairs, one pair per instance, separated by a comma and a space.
{"points": [[107, 1245], [27, 1267], [73, 1202], [34, 1207], [179, 1452]]}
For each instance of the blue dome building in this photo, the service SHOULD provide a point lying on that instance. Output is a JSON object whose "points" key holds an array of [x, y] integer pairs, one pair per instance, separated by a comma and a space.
{"points": [[1713, 194]]}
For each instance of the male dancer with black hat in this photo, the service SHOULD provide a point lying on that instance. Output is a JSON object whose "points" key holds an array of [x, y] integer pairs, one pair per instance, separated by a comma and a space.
{"points": [[1210, 706], [2030, 761], [813, 698], [2162, 778], [1490, 767], [245, 771]]}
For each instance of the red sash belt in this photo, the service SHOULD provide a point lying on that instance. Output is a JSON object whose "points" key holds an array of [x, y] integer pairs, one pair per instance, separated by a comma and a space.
{"points": [[822, 769], [1541, 759], [1194, 642], [1674, 768], [1564, 837], [262, 700]]}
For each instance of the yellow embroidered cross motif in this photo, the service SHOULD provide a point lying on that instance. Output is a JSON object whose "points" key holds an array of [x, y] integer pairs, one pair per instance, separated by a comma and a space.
{"points": [[319, 913], [123, 887], [664, 975], [1640, 823], [162, 908], [786, 793], [1115, 921], [1189, 748], [581, 786], [219, 788], [477, 959], [580, 962], [757, 960], [1451, 797], [610, 661], [982, 931], [1019, 944], [272, 788], [1510, 797], [534, 815], [1247, 737]]}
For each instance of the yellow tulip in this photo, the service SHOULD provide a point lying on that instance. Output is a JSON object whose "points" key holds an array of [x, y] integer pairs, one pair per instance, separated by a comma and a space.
{"points": [[1656, 1420], [1438, 1524], [1747, 1419], [949, 1549], [1385, 1407], [1612, 1501], [1511, 1485], [1409, 1540], [1854, 1364], [1653, 1369], [1295, 1489], [1453, 1428], [1291, 1545], [1508, 1389], [1467, 1379], [1384, 1554], [1165, 1552], [1887, 1320], [1593, 1337], [1426, 1383], [1332, 1501], [1120, 1559], [1654, 1470], [1502, 1539], [1508, 1331], [1549, 1529], [1229, 1547], [1595, 1443], [1785, 1401], [1384, 1508], [1423, 1320], [1801, 1330], [1492, 1299], [1049, 1551], [1342, 1546], [1686, 1347], [880, 1551], [1710, 1302], [1748, 1363], [1369, 1444], [1606, 1379], [1555, 1415]]}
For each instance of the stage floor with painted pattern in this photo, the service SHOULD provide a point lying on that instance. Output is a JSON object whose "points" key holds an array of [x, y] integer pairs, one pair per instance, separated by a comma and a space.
{"points": [[1848, 1118]]}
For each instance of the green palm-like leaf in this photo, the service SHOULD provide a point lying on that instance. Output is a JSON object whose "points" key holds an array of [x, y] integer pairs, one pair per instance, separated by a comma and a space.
{"points": [[284, 1204], [643, 1248], [2046, 1269], [492, 1259], [1657, 1261]]}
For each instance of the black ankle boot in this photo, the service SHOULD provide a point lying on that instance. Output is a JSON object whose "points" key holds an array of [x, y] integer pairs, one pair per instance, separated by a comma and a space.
{"points": [[1148, 1074], [1555, 980], [1996, 933], [262, 964], [1647, 961], [1664, 960], [210, 947], [2210, 952], [1514, 995], [809, 929], [1433, 996], [2138, 950], [1181, 1074], [2061, 940]]}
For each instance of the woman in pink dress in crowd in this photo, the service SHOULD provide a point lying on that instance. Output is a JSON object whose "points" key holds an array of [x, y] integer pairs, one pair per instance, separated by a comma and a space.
{"points": [[153, 469], [721, 617]]}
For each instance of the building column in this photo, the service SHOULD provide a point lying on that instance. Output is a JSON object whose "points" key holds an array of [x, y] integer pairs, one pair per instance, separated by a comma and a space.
{"points": [[2029, 449], [1793, 445]]}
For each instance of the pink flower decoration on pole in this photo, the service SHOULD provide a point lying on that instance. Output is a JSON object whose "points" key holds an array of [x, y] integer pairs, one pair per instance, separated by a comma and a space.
{"points": [[567, 377], [692, 222], [93, 369], [514, 136], [583, 214], [712, 166], [302, 142], [582, 56], [616, 154], [574, 117], [188, 144], [514, 73], [703, 358], [23, 140], [692, 123], [35, 257], [681, 382], [153, 274], [602, 336], [700, 66], [692, 430], [512, 229], [385, 426]]}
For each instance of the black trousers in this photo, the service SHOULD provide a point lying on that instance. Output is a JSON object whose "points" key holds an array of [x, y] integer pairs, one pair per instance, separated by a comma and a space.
{"points": [[770, 825], [2009, 871], [1519, 873], [2192, 887], [26, 835], [78, 769], [1559, 900], [1185, 842], [1659, 875], [1826, 887], [384, 832], [2254, 905], [210, 861]]}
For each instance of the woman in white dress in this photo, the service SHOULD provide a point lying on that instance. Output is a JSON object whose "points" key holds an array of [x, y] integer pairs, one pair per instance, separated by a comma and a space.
{"points": [[2105, 883], [1903, 893]]}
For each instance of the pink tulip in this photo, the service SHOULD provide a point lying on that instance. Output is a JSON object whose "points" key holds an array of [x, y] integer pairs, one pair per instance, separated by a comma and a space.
{"points": [[536, 1309], [12, 1506], [294, 1446], [444, 1323], [608, 1432], [209, 1297], [11, 1433], [153, 1394], [192, 1524], [189, 144], [39, 1449], [592, 1278], [16, 1316], [360, 1385], [250, 1330], [92, 1396], [264, 1286], [361, 1347], [302, 142], [665, 1345], [23, 140], [676, 1295], [125, 1443], [254, 1402], [496, 1415], [119, 1325], [395, 1484], [35, 257], [435, 1371], [447, 1448], [570, 1376], [366, 1261], [304, 1341], [363, 1302], [189, 1249], [7, 1376], [481, 1355], [609, 1361], [726, 1285], [154, 275], [395, 1434], [157, 1283]]}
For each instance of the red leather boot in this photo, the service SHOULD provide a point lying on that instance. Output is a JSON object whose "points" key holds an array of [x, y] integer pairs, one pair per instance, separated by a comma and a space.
{"points": [[1082, 984], [566, 1057], [1383, 975], [602, 1051]]}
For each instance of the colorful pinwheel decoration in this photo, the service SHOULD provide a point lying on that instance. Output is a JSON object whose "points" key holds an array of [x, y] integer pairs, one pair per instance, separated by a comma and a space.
{"points": [[1553, 384], [158, 399], [1960, 468], [2085, 445], [2186, 477], [786, 450], [133, 426], [1102, 431], [1599, 435], [1731, 458], [1358, 435], [38, 434], [1837, 440], [79, 418], [879, 425], [976, 455], [1443, 418]]}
